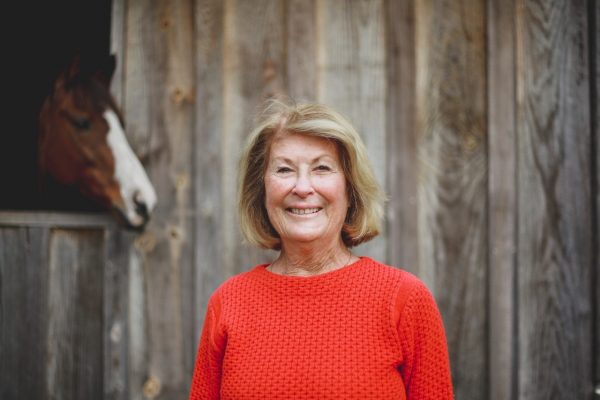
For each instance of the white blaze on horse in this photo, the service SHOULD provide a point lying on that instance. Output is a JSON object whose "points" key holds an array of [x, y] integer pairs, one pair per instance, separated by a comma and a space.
{"points": [[82, 144]]}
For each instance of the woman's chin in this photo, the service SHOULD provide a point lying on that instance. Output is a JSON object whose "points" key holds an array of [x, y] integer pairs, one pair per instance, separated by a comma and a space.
{"points": [[306, 238]]}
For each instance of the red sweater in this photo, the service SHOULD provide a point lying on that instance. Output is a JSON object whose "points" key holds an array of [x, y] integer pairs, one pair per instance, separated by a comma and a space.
{"points": [[366, 331]]}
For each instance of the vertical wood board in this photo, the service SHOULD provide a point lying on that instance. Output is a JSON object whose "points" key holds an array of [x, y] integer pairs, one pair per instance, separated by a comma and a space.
{"points": [[116, 332], [351, 79], [400, 135], [117, 47], [595, 61], [451, 124], [159, 90], [554, 206], [301, 49], [254, 70], [208, 158], [75, 348], [502, 199], [596, 120], [23, 312]]}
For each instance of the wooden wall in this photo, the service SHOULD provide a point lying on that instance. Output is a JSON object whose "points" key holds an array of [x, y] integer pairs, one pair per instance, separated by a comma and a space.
{"points": [[63, 298], [480, 118]]}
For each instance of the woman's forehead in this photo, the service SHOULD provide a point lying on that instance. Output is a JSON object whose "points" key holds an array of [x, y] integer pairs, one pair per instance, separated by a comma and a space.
{"points": [[301, 143]]}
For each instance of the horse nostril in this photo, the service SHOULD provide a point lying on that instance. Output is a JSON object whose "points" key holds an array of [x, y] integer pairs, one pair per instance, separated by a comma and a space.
{"points": [[140, 207]]}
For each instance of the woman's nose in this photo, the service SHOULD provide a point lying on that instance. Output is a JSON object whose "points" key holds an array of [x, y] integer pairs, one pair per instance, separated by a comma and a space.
{"points": [[303, 186]]}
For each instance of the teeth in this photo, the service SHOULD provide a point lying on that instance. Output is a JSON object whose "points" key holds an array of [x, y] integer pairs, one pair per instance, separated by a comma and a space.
{"points": [[302, 211]]}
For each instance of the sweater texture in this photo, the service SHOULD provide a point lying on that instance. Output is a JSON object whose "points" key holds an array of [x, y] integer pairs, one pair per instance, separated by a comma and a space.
{"points": [[365, 331]]}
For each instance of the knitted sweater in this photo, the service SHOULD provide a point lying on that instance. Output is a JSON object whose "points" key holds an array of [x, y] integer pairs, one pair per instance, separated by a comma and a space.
{"points": [[365, 331]]}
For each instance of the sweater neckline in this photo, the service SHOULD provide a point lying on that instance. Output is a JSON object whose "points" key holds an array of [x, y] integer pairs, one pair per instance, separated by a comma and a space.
{"points": [[265, 275]]}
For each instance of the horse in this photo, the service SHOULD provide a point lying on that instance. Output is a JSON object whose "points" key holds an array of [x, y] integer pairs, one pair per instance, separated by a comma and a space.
{"points": [[81, 144]]}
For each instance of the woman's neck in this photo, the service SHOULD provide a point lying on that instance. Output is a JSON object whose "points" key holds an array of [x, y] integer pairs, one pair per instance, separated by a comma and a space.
{"points": [[307, 261]]}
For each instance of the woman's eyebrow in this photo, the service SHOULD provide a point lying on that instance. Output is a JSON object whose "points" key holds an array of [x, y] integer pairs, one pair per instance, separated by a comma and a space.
{"points": [[288, 160]]}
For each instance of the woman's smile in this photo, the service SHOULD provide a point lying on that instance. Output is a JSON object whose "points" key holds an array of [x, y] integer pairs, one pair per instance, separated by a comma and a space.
{"points": [[304, 211]]}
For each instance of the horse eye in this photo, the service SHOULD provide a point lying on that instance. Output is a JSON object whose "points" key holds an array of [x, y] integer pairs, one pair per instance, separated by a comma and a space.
{"points": [[79, 123], [83, 124]]}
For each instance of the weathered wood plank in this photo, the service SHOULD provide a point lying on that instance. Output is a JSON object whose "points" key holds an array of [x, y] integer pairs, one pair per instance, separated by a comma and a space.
{"points": [[595, 46], [451, 124], [143, 77], [138, 89], [352, 79], [119, 250], [402, 170], [119, 245], [159, 95], [137, 327], [208, 158], [502, 199], [254, 63], [554, 201], [74, 336], [57, 219], [301, 49], [23, 312], [118, 48]]}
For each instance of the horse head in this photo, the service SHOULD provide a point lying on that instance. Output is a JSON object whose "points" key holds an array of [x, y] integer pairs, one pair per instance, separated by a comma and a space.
{"points": [[82, 143]]}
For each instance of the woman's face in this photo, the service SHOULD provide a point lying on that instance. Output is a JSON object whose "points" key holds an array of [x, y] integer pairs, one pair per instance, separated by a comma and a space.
{"points": [[305, 190]]}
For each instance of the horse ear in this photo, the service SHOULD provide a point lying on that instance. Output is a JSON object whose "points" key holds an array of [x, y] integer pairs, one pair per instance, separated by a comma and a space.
{"points": [[106, 70], [74, 68]]}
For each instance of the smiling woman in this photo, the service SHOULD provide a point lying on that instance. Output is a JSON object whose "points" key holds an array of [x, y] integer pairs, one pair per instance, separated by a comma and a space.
{"points": [[319, 322], [303, 182]]}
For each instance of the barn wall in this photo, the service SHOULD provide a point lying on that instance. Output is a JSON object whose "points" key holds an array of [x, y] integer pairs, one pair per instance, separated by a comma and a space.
{"points": [[477, 118], [480, 118]]}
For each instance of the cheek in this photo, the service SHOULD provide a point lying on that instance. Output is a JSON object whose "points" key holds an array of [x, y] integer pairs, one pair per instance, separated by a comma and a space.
{"points": [[275, 192], [335, 191]]}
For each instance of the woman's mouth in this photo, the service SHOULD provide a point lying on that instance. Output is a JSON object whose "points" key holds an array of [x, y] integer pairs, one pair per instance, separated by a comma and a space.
{"points": [[304, 211]]}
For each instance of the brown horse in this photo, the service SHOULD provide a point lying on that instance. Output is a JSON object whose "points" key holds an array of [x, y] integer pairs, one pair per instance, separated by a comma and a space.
{"points": [[82, 144]]}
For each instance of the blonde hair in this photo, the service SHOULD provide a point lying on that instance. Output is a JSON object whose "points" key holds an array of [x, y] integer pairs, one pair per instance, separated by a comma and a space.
{"points": [[365, 197]]}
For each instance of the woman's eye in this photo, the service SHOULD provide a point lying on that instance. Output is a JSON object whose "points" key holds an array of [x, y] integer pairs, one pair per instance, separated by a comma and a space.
{"points": [[283, 170], [323, 168]]}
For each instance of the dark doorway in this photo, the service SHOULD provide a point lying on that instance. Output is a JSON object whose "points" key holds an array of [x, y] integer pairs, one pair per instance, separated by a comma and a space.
{"points": [[42, 37]]}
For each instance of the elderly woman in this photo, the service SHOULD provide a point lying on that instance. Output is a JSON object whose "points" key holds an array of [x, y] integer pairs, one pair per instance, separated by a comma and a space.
{"points": [[319, 322]]}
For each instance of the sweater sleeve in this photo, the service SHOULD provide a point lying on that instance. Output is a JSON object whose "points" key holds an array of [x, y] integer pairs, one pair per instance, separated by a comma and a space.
{"points": [[425, 368], [206, 381]]}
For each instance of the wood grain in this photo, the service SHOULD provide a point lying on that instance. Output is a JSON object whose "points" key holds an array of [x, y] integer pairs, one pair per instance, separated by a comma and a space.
{"points": [[554, 205], [504, 231], [117, 332], [453, 210], [53, 219], [595, 52], [159, 94], [75, 334], [23, 312], [118, 48], [502, 199], [208, 158], [401, 138], [254, 70], [351, 79], [143, 76], [301, 49]]}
